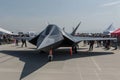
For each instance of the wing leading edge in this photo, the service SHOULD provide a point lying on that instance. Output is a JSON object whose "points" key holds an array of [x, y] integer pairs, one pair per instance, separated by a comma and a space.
{"points": [[79, 39]]}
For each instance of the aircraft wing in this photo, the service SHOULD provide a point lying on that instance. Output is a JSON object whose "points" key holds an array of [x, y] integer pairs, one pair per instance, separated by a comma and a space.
{"points": [[79, 39], [4, 31]]}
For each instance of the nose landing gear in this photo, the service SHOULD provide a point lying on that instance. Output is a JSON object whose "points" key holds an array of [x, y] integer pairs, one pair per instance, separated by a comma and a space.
{"points": [[50, 56]]}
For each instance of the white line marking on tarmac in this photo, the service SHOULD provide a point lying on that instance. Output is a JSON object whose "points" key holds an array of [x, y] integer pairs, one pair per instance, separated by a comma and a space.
{"points": [[98, 67], [5, 58], [97, 75], [81, 78], [9, 70]]}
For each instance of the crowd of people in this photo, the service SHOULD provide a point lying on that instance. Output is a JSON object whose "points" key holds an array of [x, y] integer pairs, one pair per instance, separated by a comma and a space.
{"points": [[105, 43], [8, 39]]}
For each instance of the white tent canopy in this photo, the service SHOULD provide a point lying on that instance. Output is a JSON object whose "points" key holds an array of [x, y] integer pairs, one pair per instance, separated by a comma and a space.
{"points": [[109, 30], [2, 31]]}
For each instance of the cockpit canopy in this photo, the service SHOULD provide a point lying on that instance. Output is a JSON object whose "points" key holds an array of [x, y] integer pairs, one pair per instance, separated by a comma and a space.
{"points": [[51, 29]]}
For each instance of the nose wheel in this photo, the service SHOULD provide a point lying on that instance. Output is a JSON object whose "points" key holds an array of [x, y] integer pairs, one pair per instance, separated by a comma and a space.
{"points": [[50, 56]]}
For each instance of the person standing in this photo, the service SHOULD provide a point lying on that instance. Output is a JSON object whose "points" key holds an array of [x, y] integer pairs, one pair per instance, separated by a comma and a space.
{"points": [[107, 44], [16, 42], [91, 43], [23, 41]]}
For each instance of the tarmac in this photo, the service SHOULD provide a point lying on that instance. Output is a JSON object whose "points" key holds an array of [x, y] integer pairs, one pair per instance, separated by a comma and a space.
{"points": [[27, 63]]}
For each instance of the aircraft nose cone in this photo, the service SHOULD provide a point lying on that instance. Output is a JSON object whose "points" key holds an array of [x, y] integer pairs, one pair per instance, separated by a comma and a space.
{"points": [[45, 43]]}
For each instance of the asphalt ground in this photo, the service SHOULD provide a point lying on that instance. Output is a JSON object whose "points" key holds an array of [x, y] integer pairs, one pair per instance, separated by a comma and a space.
{"points": [[17, 63]]}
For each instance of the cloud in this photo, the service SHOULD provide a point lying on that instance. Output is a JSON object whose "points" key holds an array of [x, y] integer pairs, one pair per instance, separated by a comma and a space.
{"points": [[111, 4]]}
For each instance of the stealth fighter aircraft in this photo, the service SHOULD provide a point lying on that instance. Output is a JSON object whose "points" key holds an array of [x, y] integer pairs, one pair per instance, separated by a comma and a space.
{"points": [[52, 37]]}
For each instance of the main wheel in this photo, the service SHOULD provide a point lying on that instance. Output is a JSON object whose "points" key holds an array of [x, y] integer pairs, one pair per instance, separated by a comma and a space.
{"points": [[74, 48], [50, 57]]}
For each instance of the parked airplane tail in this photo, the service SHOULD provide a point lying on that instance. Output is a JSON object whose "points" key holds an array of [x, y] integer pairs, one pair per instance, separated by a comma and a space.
{"points": [[74, 31]]}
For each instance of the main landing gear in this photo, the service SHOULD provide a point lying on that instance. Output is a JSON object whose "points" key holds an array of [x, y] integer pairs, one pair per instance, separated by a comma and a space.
{"points": [[74, 48]]}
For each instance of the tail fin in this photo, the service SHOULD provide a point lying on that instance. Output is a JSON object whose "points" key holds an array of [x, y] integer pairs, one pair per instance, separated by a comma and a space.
{"points": [[74, 31]]}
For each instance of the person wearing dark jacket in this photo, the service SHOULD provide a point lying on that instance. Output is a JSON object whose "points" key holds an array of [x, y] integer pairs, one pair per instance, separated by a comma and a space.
{"points": [[91, 43], [23, 41]]}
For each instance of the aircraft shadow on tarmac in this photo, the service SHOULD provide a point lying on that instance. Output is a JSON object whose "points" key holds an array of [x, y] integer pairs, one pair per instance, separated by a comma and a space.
{"points": [[33, 60]]}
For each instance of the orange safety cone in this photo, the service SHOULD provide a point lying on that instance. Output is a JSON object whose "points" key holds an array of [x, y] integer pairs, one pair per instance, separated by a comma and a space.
{"points": [[50, 53], [71, 51]]}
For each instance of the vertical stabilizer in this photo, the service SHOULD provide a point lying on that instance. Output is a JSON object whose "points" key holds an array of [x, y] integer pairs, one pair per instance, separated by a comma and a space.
{"points": [[74, 31]]}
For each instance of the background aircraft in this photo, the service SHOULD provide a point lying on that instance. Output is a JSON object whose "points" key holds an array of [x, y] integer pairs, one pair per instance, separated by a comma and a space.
{"points": [[3, 31], [52, 37]]}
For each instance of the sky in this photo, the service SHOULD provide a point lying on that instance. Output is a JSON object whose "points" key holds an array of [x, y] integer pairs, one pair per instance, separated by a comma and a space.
{"points": [[35, 15]]}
